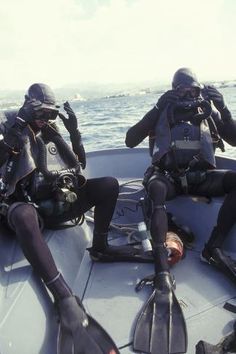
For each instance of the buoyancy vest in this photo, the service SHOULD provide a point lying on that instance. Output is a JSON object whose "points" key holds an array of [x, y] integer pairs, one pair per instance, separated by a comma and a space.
{"points": [[28, 159], [176, 145]]}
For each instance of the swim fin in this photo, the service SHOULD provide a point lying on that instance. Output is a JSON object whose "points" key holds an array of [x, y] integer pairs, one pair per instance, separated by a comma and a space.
{"points": [[79, 333], [160, 326], [123, 253]]}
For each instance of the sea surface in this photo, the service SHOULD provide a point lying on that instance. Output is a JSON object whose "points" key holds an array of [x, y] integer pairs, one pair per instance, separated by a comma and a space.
{"points": [[104, 121]]}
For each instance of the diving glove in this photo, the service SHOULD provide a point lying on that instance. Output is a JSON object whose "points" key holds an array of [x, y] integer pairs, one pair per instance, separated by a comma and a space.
{"points": [[13, 139], [27, 111], [211, 93], [71, 124], [168, 97]]}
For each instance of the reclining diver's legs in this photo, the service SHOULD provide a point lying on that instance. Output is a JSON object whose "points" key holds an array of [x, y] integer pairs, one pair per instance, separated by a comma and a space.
{"points": [[78, 332]]}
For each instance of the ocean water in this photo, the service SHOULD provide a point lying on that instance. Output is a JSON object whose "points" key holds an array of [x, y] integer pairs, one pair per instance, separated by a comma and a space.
{"points": [[105, 121]]}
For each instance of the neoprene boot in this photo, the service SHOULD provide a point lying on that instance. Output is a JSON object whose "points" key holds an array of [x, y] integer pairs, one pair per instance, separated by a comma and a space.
{"points": [[214, 255], [216, 239], [102, 251], [226, 345], [58, 287], [160, 258]]}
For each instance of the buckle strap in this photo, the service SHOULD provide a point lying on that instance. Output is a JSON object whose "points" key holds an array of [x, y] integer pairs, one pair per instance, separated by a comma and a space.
{"points": [[184, 182]]}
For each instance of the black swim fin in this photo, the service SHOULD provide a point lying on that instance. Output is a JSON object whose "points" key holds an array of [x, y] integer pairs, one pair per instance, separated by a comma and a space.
{"points": [[123, 253], [79, 333], [160, 327]]}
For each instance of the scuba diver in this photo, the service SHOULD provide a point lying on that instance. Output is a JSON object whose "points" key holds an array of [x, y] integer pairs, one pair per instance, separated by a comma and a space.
{"points": [[184, 128], [33, 196]]}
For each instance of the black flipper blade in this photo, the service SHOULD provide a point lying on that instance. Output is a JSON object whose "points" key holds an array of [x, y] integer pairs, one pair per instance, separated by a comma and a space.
{"points": [[160, 335], [178, 335], [143, 328], [92, 340], [79, 342], [161, 327], [79, 333], [101, 337]]}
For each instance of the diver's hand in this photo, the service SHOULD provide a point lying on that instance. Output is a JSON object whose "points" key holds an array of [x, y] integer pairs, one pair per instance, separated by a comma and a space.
{"points": [[27, 112], [169, 96], [211, 93], [13, 139], [70, 123]]}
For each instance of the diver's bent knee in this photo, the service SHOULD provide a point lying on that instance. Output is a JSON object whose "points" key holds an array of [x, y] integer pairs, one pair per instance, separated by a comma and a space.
{"points": [[111, 184], [157, 188]]}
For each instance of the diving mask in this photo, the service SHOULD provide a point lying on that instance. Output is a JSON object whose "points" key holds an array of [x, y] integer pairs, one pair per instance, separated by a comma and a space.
{"points": [[46, 114], [191, 92]]}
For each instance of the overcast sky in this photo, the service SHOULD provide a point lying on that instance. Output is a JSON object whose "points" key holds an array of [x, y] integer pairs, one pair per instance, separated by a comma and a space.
{"points": [[61, 42]]}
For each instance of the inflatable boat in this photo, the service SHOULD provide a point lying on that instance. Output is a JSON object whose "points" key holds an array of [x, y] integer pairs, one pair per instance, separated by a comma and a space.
{"points": [[28, 322]]}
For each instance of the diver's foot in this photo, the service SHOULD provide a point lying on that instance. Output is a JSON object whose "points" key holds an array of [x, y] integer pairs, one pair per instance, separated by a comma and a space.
{"points": [[123, 253], [71, 313], [217, 258], [164, 281]]}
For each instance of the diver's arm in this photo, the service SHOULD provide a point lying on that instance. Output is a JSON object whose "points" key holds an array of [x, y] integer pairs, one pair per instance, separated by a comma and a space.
{"points": [[78, 147], [5, 150], [138, 132], [226, 126], [11, 140]]}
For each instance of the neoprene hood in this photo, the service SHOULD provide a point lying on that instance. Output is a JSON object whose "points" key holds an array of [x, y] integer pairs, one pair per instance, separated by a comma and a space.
{"points": [[186, 78], [43, 97]]}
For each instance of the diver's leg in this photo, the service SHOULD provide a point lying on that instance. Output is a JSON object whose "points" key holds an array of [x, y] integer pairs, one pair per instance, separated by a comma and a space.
{"points": [[102, 193], [157, 192], [222, 183], [161, 319], [226, 217], [78, 332], [24, 220]]}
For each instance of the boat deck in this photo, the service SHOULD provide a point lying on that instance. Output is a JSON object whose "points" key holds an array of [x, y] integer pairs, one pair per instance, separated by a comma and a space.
{"points": [[201, 290], [27, 317]]}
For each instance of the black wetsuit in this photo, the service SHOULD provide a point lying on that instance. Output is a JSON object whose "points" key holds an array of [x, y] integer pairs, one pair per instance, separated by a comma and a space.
{"points": [[100, 193], [161, 188]]}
